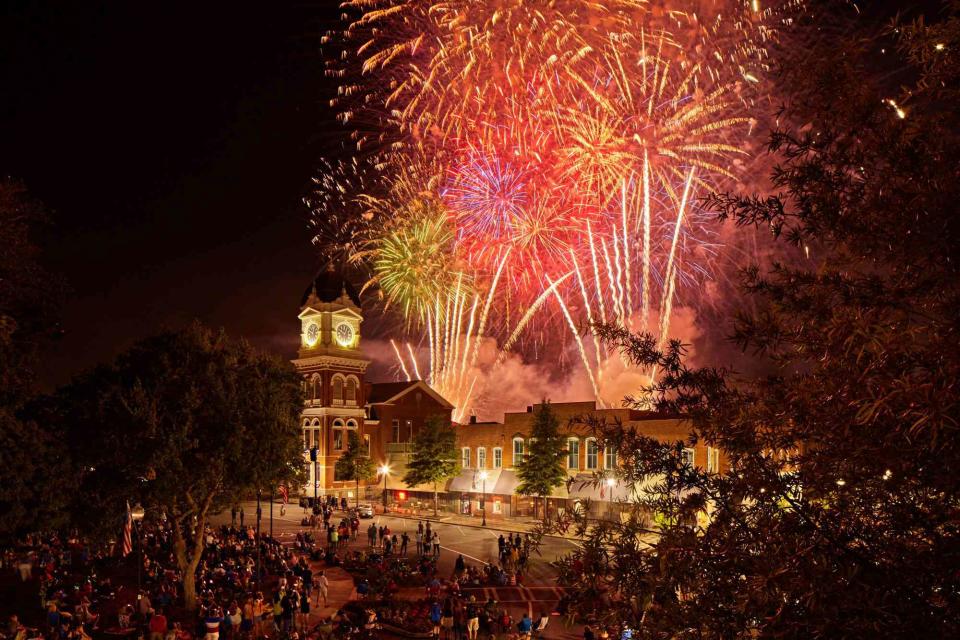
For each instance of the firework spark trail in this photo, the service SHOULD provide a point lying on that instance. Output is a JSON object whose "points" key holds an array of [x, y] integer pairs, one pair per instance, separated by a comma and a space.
{"points": [[576, 335], [413, 359], [527, 316], [666, 303], [587, 308], [626, 243], [403, 367], [645, 255], [596, 273]]}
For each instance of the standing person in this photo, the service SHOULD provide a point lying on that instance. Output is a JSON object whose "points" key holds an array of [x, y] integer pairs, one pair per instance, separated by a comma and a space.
{"points": [[241, 516], [158, 625], [212, 624], [435, 616], [287, 608], [436, 545], [420, 541], [372, 534], [233, 516], [404, 540], [323, 585], [501, 543], [259, 614], [304, 613], [247, 620], [473, 619], [307, 577]]}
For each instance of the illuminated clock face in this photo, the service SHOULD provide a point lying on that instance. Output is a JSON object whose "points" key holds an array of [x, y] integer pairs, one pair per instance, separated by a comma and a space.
{"points": [[344, 334], [312, 334]]}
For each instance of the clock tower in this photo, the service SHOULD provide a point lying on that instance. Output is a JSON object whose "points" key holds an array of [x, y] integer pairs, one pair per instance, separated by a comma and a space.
{"points": [[332, 367]]}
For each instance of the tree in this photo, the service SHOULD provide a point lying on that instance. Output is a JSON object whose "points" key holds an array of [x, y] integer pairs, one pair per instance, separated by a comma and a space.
{"points": [[185, 421], [434, 457], [355, 463], [542, 469], [838, 514], [34, 471]]}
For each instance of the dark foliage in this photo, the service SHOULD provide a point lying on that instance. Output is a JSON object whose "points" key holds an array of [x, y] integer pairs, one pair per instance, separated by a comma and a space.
{"points": [[838, 513]]}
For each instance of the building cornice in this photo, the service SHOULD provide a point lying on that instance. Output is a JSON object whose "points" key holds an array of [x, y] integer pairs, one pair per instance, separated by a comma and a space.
{"points": [[323, 362]]}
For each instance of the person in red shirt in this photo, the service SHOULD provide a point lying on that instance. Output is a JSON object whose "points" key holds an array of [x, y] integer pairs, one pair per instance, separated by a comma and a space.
{"points": [[158, 626]]}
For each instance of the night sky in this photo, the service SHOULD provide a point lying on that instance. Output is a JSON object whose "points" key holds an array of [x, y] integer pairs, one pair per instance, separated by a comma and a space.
{"points": [[172, 143]]}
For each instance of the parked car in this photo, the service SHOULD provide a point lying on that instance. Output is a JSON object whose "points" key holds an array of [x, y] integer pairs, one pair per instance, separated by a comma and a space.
{"points": [[365, 511]]}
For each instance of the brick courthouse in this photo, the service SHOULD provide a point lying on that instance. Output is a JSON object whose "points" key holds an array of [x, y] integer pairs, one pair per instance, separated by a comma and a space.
{"points": [[387, 415]]}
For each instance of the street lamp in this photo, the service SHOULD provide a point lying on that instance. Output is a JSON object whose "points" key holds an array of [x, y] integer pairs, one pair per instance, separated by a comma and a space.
{"points": [[385, 471], [483, 498], [136, 514]]}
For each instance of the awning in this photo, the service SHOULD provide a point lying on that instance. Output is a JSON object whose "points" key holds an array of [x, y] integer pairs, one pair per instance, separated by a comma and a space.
{"points": [[395, 483], [586, 487], [469, 481], [506, 483]]}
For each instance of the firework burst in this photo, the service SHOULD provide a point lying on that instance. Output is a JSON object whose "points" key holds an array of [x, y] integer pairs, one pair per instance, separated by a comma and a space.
{"points": [[532, 151]]}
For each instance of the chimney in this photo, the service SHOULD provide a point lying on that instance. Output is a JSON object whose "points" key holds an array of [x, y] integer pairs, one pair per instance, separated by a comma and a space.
{"points": [[473, 419], [529, 408]]}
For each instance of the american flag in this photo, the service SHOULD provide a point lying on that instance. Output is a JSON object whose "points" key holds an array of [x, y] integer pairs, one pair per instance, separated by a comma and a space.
{"points": [[127, 547], [284, 493]]}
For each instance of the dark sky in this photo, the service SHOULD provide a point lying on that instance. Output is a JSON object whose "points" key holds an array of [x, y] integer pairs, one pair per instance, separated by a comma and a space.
{"points": [[172, 143]]}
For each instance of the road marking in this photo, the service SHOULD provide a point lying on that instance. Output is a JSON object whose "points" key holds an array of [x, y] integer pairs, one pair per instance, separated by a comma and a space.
{"points": [[465, 555]]}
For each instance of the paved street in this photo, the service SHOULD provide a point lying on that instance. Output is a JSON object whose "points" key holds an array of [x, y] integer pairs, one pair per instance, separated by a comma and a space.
{"points": [[477, 545]]}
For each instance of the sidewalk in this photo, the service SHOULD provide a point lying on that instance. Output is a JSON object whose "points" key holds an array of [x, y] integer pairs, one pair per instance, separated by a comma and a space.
{"points": [[512, 525]]}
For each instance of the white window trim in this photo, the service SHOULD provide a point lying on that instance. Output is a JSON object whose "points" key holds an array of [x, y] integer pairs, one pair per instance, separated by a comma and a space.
{"points": [[691, 454], [465, 457], [497, 458], [481, 457], [523, 450], [577, 463], [608, 464], [596, 456]]}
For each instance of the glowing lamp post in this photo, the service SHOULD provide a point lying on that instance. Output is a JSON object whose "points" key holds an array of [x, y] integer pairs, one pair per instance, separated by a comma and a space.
{"points": [[136, 514], [483, 498], [385, 471]]}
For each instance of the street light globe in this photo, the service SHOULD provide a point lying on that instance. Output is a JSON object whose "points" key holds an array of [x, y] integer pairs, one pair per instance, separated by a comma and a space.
{"points": [[384, 470], [483, 475], [137, 512], [611, 482]]}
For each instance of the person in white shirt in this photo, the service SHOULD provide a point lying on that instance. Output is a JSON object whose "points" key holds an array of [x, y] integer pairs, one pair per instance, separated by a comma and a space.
{"points": [[323, 585]]}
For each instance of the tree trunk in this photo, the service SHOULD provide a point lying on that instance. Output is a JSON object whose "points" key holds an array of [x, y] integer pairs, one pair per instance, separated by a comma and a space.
{"points": [[544, 510], [190, 591], [435, 500], [358, 493]]}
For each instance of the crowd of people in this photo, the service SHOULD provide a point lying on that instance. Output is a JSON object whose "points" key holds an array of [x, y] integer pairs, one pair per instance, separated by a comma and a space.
{"points": [[86, 591]]}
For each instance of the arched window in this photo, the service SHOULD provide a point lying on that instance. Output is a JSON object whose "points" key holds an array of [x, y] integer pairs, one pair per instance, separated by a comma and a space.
{"points": [[337, 389], [351, 391], [338, 435], [573, 453], [517, 450], [314, 385], [593, 452], [351, 424]]}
